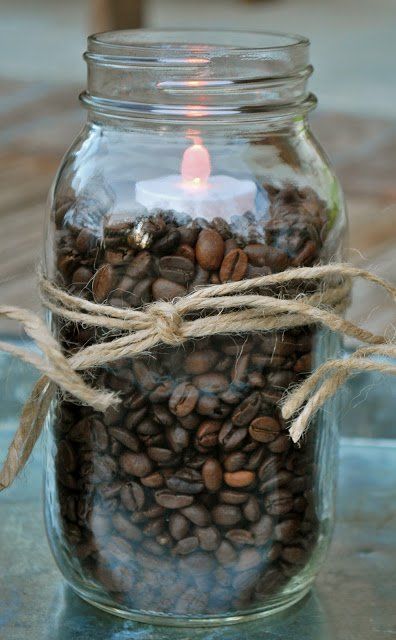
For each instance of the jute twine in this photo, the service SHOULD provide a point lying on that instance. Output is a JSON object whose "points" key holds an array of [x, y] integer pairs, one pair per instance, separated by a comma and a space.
{"points": [[230, 308]]}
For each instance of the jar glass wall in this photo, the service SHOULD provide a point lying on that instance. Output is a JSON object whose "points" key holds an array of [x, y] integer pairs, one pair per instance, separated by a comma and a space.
{"points": [[196, 167]]}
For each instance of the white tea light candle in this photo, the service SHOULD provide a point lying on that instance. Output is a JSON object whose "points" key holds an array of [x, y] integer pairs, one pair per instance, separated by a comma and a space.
{"points": [[197, 193]]}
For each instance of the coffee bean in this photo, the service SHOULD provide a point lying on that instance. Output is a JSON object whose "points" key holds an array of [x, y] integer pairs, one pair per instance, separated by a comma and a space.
{"points": [[240, 537], [247, 410], [286, 530], [235, 461], [233, 497], [294, 555], [126, 528], [209, 249], [183, 399], [211, 382], [264, 429], [171, 500], [198, 515], [251, 510], [65, 456], [202, 361], [132, 496], [176, 268], [185, 481], [178, 526], [231, 438], [136, 464], [212, 474], [177, 437], [239, 479], [209, 538], [103, 282], [279, 479], [226, 515], [234, 266], [186, 545], [248, 559], [262, 530], [226, 553], [207, 434], [129, 440], [279, 502], [280, 444], [153, 480], [163, 289]]}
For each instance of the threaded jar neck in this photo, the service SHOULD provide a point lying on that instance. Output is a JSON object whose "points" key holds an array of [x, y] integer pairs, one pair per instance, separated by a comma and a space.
{"points": [[198, 75]]}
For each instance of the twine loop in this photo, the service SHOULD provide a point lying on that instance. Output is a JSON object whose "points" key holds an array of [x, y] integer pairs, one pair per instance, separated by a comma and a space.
{"points": [[248, 306]]}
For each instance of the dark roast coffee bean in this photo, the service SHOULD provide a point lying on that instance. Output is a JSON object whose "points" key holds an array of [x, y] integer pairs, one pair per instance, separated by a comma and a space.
{"points": [[132, 496], [161, 455], [178, 526], [201, 361], [247, 410], [185, 481], [251, 510], [209, 538], [211, 382], [126, 528], [177, 437], [234, 266], [207, 434], [233, 497], [183, 399], [262, 530], [286, 530], [163, 289], [279, 502], [212, 474], [129, 440], [171, 500], [176, 269], [197, 514], [226, 515], [186, 545], [209, 249], [66, 458], [226, 553], [264, 429], [231, 438], [235, 461], [103, 282], [136, 464], [240, 537], [248, 559]]}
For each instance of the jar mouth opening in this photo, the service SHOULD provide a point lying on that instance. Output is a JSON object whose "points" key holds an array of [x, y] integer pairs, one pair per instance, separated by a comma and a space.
{"points": [[197, 73], [130, 42]]}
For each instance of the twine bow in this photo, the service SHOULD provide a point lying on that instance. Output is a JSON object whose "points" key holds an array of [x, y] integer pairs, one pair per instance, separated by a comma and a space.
{"points": [[229, 308]]}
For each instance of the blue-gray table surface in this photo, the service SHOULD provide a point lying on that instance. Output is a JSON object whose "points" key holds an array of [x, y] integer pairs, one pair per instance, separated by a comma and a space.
{"points": [[355, 594]]}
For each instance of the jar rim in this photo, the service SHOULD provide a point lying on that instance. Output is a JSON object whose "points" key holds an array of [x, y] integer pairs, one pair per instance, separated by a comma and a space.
{"points": [[199, 74], [178, 40]]}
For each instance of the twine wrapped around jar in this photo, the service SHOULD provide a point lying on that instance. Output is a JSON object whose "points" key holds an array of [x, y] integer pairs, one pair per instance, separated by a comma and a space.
{"points": [[246, 306]]}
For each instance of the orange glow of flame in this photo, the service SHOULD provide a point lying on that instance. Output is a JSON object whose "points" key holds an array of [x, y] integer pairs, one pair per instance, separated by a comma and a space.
{"points": [[195, 166]]}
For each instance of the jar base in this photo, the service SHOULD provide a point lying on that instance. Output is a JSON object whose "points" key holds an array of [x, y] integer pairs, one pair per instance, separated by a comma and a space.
{"points": [[285, 601]]}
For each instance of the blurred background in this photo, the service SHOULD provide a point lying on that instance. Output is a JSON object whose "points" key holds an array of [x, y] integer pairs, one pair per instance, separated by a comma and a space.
{"points": [[42, 72]]}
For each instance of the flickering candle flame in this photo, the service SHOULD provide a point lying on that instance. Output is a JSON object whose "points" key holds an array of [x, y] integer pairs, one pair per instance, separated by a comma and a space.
{"points": [[195, 165]]}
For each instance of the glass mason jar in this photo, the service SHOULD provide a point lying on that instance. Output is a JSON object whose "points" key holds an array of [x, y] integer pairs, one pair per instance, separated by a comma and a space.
{"points": [[189, 502]]}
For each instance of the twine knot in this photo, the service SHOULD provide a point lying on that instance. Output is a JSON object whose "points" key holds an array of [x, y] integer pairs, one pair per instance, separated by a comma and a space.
{"points": [[166, 322]]}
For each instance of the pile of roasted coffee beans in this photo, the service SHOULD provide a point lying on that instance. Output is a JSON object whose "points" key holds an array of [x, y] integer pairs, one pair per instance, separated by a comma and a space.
{"points": [[190, 498]]}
